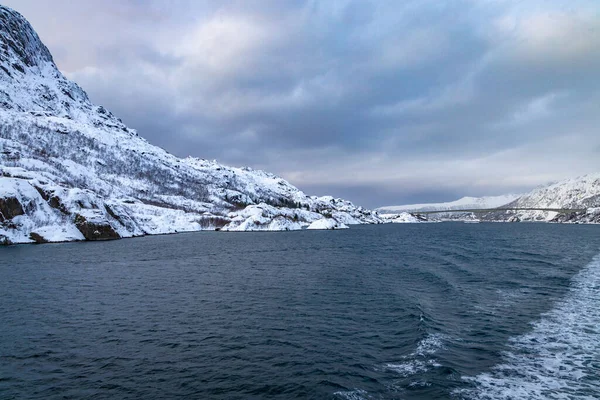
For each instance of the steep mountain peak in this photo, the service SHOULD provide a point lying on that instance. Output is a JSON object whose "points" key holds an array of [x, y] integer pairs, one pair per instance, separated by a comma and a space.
{"points": [[30, 81], [21, 46]]}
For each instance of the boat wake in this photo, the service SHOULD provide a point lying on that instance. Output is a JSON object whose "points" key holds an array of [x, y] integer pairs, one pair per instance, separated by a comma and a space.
{"points": [[559, 358], [414, 364]]}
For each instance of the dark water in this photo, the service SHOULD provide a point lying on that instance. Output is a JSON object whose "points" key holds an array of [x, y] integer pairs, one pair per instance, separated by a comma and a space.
{"points": [[375, 312]]}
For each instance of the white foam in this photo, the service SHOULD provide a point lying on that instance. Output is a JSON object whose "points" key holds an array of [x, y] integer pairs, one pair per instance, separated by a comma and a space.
{"points": [[559, 358], [419, 384], [407, 369], [419, 360], [430, 345], [356, 394]]}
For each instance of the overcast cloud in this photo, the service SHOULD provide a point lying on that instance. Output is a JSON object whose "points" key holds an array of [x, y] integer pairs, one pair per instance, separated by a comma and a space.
{"points": [[381, 102]]}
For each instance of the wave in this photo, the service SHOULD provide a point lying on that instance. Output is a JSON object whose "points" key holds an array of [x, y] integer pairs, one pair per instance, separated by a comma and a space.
{"points": [[559, 358]]}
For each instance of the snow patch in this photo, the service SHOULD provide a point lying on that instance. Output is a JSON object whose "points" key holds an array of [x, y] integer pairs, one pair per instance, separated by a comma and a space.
{"points": [[326, 223], [402, 218]]}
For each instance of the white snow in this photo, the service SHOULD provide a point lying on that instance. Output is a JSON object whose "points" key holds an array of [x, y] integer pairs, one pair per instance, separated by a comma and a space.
{"points": [[326, 223], [57, 233], [401, 218]]}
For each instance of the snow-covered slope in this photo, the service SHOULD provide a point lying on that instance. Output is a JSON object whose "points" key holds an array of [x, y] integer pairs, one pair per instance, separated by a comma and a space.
{"points": [[465, 203], [402, 218], [71, 170], [577, 193]]}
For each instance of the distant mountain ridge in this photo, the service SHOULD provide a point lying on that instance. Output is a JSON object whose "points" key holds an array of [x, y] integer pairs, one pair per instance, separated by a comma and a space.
{"points": [[464, 203], [580, 193], [71, 170]]}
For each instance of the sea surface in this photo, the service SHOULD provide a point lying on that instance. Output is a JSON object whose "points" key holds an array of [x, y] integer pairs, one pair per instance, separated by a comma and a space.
{"points": [[423, 311]]}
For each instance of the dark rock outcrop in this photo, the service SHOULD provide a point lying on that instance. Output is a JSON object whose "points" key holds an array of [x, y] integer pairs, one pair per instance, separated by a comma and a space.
{"points": [[20, 40], [95, 231], [4, 241], [10, 208], [113, 214], [577, 217], [52, 200], [37, 238]]}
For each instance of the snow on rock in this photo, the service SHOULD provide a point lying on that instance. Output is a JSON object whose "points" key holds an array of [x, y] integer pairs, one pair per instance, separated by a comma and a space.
{"points": [[263, 217], [71, 170], [326, 223], [402, 218], [61, 233]]}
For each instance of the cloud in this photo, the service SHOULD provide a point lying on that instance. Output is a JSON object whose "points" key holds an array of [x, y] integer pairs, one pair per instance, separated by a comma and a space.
{"points": [[380, 101], [537, 108], [558, 35]]}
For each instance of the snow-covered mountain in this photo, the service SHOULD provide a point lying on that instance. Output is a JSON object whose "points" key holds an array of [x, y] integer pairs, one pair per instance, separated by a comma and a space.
{"points": [[581, 193], [71, 170], [577, 201], [465, 203]]}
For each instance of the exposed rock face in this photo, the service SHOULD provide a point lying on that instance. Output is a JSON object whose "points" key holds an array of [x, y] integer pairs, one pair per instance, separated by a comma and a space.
{"points": [[30, 81], [10, 207], [95, 230], [19, 39], [592, 216], [52, 200], [37, 238]]}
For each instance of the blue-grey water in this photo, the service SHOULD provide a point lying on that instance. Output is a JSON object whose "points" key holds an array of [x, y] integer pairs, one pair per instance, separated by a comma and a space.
{"points": [[465, 311]]}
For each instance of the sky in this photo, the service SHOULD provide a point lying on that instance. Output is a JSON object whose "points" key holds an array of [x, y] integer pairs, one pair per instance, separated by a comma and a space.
{"points": [[379, 102]]}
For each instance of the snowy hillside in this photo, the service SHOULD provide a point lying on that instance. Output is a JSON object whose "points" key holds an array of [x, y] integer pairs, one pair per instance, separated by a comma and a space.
{"points": [[465, 203], [576, 193], [71, 170]]}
